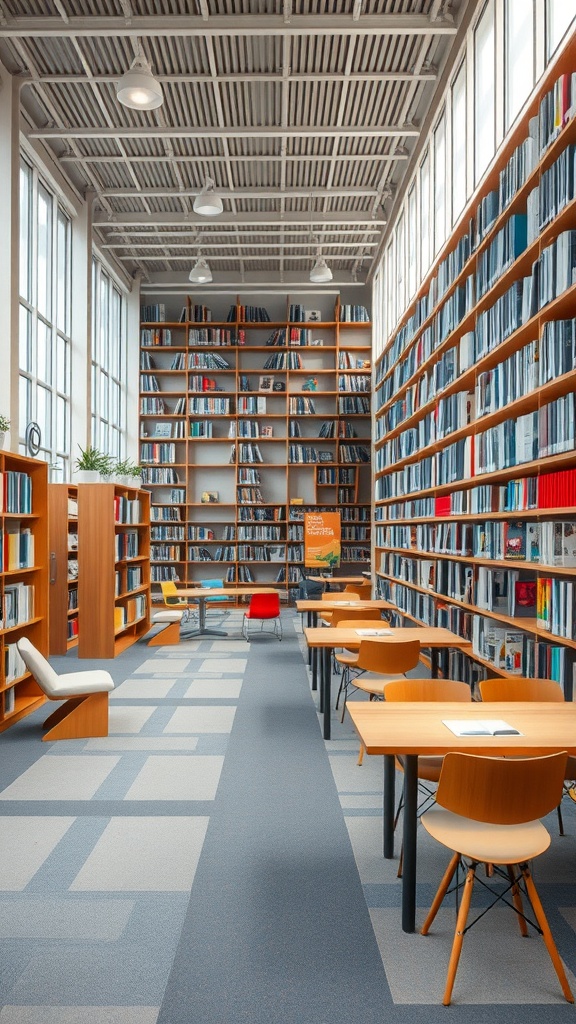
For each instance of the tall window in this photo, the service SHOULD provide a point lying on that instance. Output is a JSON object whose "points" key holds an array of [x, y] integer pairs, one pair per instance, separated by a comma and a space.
{"points": [[425, 247], [412, 252], [559, 15], [440, 184], [108, 364], [45, 315], [519, 43], [484, 112], [400, 266], [459, 148]]}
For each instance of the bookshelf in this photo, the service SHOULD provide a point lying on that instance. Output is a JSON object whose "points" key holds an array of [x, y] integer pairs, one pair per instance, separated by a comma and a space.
{"points": [[114, 568], [240, 415], [23, 579], [63, 546], [475, 450]]}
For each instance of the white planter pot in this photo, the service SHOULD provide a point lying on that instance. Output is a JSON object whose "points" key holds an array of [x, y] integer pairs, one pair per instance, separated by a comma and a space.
{"points": [[2, 436], [88, 476]]}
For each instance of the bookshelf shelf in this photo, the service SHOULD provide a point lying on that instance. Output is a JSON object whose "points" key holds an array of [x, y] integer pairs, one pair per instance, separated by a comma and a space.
{"points": [[114, 607], [23, 579], [303, 350], [475, 408]]}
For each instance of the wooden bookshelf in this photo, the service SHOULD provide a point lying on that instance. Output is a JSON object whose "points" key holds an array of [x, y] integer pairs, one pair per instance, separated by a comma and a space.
{"points": [[63, 546], [466, 487], [24, 563], [231, 397], [114, 608]]}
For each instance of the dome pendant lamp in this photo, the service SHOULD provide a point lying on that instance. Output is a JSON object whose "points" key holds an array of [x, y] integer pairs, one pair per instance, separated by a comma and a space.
{"points": [[138, 89], [200, 273], [320, 273], [208, 203]]}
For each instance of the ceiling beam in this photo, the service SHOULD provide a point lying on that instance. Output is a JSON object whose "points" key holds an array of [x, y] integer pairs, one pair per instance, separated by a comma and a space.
{"points": [[309, 158], [224, 25], [258, 131], [256, 192], [102, 219], [140, 237], [345, 245], [256, 78]]}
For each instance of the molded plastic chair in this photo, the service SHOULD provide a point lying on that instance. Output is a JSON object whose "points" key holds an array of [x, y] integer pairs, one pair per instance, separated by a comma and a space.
{"points": [[429, 766], [487, 812], [174, 599], [215, 585], [326, 617], [519, 688], [380, 661], [266, 608], [85, 711]]}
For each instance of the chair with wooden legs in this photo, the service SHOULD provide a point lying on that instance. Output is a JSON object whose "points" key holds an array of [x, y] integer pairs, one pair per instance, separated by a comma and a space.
{"points": [[352, 618], [379, 661], [326, 617], [487, 811], [429, 767], [520, 688], [363, 590], [84, 712]]}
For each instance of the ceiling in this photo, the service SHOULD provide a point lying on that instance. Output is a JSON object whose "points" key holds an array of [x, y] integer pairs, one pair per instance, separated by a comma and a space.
{"points": [[305, 113]]}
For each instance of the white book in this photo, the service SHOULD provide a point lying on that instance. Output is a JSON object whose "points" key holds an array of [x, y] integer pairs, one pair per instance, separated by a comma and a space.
{"points": [[373, 632], [481, 727]]}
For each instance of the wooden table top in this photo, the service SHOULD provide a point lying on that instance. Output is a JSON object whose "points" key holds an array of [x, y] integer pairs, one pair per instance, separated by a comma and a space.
{"points": [[417, 728], [248, 590], [428, 636], [341, 579], [315, 605]]}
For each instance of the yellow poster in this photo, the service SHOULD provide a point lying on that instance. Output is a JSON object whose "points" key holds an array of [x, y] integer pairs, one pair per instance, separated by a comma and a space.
{"points": [[322, 534]]}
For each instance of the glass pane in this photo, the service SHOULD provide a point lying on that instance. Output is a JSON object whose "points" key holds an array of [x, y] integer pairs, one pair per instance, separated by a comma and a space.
{"points": [[425, 215], [94, 432], [114, 403], [61, 424], [412, 242], [560, 14], [484, 123], [25, 340], [62, 365], [400, 270], [63, 274], [44, 352], [24, 395], [103, 410], [44, 415], [102, 355], [25, 231], [440, 184], [44, 264], [519, 27], [459, 149]]}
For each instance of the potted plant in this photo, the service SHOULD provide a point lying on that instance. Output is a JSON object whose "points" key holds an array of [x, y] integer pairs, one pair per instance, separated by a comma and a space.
{"points": [[89, 465], [127, 472], [4, 427]]}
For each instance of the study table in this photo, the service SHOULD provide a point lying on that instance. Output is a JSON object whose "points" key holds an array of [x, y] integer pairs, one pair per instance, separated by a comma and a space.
{"points": [[433, 637], [315, 606], [201, 595], [413, 729]]}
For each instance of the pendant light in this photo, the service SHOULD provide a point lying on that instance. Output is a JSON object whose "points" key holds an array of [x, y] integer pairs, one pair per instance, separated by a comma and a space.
{"points": [[200, 273], [320, 273], [138, 88], [208, 203]]}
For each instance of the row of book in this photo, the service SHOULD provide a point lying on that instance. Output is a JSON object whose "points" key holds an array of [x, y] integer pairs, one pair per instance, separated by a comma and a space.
{"points": [[154, 312], [132, 610], [248, 476], [16, 547], [127, 510], [283, 361], [157, 452], [209, 406], [134, 578], [167, 532], [550, 543], [14, 666], [17, 605], [555, 190], [15, 492], [126, 545], [164, 513], [156, 337], [214, 337], [354, 382], [165, 552], [354, 314], [159, 475]]}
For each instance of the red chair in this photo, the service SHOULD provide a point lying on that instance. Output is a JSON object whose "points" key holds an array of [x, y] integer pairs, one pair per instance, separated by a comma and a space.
{"points": [[263, 607]]}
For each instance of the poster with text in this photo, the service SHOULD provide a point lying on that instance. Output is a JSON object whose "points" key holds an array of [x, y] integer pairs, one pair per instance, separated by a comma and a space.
{"points": [[322, 532]]}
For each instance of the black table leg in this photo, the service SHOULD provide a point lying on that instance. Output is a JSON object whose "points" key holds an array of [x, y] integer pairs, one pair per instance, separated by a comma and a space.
{"points": [[389, 808], [314, 668], [410, 825], [327, 688], [309, 623], [434, 663]]}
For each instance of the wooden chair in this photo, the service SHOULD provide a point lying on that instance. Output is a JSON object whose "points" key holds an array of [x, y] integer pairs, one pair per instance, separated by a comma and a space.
{"points": [[171, 632], [363, 590], [520, 688], [429, 766], [326, 617], [487, 812], [85, 711], [379, 661], [265, 608]]}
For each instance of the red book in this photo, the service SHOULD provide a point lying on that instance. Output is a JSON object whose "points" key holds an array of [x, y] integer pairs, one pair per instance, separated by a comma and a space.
{"points": [[443, 505]]}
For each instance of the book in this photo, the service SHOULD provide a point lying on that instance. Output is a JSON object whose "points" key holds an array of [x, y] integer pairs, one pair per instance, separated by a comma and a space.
{"points": [[481, 727], [373, 632], [515, 540]]}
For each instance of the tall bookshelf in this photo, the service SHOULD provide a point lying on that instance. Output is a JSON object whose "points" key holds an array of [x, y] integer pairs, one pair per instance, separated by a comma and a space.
{"points": [[63, 544], [113, 568], [242, 410], [23, 580], [475, 450]]}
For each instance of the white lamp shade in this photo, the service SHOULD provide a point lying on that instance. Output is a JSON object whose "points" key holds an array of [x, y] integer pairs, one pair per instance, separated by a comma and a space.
{"points": [[208, 203], [320, 273], [200, 273], [138, 88]]}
